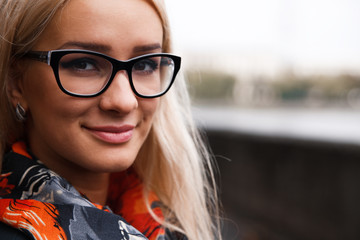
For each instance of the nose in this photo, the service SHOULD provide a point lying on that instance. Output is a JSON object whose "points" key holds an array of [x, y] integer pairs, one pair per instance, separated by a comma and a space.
{"points": [[119, 96]]}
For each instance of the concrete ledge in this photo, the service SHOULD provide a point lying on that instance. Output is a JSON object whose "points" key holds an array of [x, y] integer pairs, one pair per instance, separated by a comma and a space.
{"points": [[326, 125]]}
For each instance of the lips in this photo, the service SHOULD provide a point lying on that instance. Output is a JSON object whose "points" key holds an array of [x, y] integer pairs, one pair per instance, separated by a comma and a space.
{"points": [[111, 134]]}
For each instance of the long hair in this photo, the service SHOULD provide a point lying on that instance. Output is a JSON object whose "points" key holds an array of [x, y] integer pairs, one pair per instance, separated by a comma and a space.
{"points": [[173, 162], [22, 22]]}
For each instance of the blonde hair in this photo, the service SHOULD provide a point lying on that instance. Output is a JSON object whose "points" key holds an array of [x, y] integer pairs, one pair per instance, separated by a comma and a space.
{"points": [[22, 22], [173, 161]]}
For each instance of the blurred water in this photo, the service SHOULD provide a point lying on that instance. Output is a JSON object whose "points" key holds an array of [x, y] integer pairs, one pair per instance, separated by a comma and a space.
{"points": [[333, 125]]}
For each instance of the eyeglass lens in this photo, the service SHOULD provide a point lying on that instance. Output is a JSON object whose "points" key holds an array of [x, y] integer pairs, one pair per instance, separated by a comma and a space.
{"points": [[86, 74]]}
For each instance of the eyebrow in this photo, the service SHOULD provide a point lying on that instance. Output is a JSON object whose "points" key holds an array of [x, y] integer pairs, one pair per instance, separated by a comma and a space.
{"points": [[87, 46], [106, 48], [147, 48]]}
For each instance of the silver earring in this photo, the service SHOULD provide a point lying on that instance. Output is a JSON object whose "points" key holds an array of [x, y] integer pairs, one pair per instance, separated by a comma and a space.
{"points": [[20, 113]]}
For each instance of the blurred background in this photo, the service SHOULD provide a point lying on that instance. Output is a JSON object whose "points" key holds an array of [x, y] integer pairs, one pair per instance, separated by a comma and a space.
{"points": [[276, 88]]}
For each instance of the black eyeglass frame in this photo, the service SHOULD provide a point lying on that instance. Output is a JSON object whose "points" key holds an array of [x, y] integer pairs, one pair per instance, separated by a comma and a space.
{"points": [[53, 57]]}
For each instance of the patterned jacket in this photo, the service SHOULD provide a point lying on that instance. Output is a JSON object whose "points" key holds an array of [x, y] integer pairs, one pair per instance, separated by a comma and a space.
{"points": [[43, 205]]}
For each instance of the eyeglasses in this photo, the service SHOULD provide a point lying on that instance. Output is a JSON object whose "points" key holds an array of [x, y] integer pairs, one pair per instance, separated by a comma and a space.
{"points": [[83, 73]]}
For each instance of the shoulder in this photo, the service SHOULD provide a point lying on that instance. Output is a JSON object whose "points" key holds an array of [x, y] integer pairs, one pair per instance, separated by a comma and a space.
{"points": [[9, 233]]}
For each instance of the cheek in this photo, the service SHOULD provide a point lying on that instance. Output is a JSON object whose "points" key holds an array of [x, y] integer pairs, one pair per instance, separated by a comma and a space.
{"points": [[39, 86], [46, 103], [148, 108]]}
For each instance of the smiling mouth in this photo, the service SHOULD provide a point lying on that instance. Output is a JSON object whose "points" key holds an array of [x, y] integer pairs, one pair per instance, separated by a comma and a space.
{"points": [[114, 135]]}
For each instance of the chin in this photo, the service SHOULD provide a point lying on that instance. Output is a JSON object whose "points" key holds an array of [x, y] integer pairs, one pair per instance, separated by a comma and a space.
{"points": [[111, 165]]}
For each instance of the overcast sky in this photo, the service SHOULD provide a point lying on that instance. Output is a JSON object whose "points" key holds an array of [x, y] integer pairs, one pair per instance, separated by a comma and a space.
{"points": [[312, 33]]}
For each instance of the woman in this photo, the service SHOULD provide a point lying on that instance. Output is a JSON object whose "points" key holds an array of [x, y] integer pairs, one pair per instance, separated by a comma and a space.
{"points": [[84, 97]]}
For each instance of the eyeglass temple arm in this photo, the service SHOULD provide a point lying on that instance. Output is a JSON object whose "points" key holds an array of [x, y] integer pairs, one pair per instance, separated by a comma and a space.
{"points": [[38, 55]]}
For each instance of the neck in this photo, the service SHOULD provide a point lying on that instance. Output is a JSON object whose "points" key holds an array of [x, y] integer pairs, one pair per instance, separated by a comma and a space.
{"points": [[93, 185], [97, 191]]}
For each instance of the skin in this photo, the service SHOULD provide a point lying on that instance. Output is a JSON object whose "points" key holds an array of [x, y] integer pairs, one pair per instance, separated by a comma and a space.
{"points": [[60, 128]]}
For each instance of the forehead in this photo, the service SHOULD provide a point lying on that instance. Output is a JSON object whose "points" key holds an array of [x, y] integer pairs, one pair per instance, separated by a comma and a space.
{"points": [[119, 24]]}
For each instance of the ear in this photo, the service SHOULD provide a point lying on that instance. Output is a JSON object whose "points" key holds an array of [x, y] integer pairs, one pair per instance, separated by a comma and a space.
{"points": [[15, 91]]}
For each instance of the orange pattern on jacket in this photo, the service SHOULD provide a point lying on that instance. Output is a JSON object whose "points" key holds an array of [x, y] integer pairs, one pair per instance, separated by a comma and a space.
{"points": [[39, 218], [5, 187], [127, 200]]}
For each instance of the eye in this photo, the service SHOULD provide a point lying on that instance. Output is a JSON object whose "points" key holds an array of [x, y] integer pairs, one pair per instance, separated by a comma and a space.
{"points": [[146, 66], [80, 64]]}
